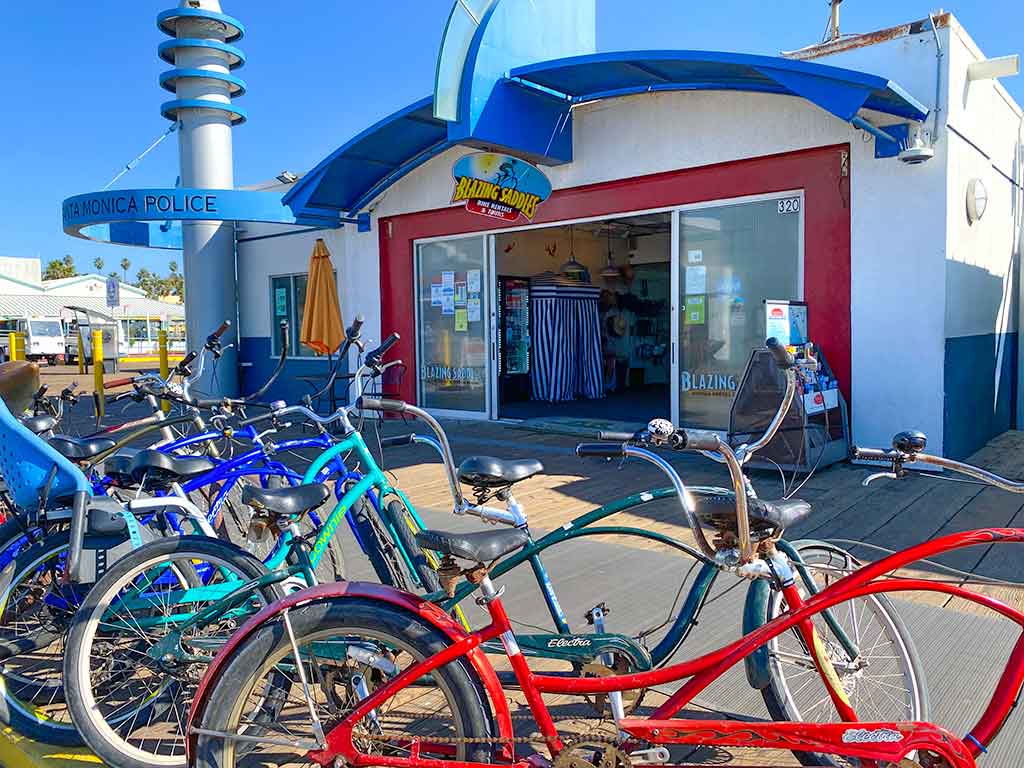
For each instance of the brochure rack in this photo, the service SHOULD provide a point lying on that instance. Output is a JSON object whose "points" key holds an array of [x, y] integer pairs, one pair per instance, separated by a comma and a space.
{"points": [[815, 432]]}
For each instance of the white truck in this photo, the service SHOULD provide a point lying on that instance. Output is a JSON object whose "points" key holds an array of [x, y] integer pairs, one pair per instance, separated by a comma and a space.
{"points": [[44, 338]]}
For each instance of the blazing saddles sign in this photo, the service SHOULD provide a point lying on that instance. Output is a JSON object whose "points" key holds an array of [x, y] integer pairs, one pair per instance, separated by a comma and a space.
{"points": [[499, 186]]}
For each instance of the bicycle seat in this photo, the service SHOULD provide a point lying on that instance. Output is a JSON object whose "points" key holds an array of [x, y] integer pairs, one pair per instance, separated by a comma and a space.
{"points": [[290, 500], [718, 510], [163, 469], [489, 472], [44, 422], [79, 448], [480, 547], [119, 466]]}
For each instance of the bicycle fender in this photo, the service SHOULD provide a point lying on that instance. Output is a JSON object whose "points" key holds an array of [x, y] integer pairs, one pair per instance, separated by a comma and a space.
{"points": [[755, 609], [353, 589]]}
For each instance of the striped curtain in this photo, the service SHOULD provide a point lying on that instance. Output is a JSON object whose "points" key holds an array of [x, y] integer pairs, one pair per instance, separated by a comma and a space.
{"points": [[566, 341]]}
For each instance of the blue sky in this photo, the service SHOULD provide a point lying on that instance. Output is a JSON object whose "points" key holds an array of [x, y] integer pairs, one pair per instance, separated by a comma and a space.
{"points": [[81, 97]]}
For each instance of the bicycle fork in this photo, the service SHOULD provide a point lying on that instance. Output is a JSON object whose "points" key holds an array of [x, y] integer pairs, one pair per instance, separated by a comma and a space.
{"points": [[819, 654]]}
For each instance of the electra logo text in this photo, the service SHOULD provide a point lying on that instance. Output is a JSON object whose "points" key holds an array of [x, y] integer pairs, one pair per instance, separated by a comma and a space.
{"points": [[568, 642], [865, 736], [326, 533]]}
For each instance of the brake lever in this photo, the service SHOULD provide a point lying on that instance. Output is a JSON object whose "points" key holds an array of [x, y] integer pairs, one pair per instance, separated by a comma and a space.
{"points": [[878, 476]]}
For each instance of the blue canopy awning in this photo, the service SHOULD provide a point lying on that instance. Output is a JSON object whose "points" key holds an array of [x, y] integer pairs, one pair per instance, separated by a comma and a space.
{"points": [[366, 165], [358, 171], [843, 92]]}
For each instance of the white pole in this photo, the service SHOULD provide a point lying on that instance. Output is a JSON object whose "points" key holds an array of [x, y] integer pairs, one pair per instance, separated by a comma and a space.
{"points": [[205, 156]]}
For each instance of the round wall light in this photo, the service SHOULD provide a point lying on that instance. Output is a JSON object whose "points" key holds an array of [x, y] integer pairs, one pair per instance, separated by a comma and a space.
{"points": [[977, 200]]}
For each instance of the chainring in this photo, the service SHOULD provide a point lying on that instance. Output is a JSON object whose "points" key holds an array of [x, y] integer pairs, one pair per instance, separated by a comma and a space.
{"points": [[592, 754], [599, 702]]}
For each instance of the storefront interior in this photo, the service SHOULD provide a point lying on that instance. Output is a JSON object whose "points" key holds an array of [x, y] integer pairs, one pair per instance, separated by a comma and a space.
{"points": [[627, 263], [578, 321]]}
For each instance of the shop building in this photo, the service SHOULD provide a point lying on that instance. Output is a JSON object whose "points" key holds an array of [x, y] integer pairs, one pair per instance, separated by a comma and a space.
{"points": [[875, 179]]}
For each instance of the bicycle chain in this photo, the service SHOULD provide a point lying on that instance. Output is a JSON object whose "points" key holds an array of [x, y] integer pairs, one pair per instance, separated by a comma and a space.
{"points": [[592, 736]]}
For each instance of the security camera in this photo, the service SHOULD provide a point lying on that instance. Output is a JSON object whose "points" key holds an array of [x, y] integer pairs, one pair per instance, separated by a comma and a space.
{"points": [[918, 152]]}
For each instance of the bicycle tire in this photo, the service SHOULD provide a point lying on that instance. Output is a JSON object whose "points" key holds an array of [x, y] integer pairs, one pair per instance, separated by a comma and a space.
{"points": [[783, 707], [262, 650], [100, 736], [20, 704], [378, 547], [404, 525]]}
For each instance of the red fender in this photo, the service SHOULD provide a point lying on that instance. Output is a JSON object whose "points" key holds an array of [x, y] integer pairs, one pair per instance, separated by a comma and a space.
{"points": [[355, 589]]}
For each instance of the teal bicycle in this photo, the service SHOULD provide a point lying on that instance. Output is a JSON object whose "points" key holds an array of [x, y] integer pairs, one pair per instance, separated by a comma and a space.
{"points": [[147, 630]]}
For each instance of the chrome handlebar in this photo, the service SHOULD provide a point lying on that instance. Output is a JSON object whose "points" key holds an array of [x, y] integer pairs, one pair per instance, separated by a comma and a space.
{"points": [[899, 458]]}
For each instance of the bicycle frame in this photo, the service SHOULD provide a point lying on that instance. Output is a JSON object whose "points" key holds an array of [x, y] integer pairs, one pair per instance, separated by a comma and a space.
{"points": [[868, 741]]}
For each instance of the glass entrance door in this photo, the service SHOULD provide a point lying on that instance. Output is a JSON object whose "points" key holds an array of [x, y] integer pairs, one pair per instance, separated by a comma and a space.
{"points": [[730, 259], [453, 326]]}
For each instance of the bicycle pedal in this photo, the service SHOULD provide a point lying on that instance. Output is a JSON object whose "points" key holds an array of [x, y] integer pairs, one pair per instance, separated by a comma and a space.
{"points": [[651, 756]]}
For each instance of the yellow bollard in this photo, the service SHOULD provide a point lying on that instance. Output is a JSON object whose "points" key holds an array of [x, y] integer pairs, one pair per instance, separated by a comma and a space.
{"points": [[165, 367], [97, 373], [12, 346], [81, 354]]}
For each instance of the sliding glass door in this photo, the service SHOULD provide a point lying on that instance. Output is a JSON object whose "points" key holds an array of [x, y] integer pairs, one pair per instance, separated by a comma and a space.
{"points": [[730, 258], [453, 287]]}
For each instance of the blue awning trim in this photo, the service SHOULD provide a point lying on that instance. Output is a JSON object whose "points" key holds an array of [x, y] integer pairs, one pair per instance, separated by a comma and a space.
{"points": [[843, 92], [358, 170]]}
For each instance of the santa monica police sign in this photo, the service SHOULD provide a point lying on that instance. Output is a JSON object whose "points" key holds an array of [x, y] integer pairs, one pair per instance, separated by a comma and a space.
{"points": [[152, 217]]}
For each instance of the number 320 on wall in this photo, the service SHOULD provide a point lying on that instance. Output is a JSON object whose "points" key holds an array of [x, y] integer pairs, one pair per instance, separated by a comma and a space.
{"points": [[789, 205]]}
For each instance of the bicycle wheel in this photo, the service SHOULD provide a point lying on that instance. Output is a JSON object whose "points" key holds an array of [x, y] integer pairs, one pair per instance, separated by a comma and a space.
{"points": [[884, 684], [377, 545], [346, 648], [404, 526], [36, 609], [129, 702]]}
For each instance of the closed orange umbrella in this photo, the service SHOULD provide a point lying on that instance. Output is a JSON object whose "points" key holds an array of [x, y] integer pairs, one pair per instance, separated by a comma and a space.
{"points": [[322, 329]]}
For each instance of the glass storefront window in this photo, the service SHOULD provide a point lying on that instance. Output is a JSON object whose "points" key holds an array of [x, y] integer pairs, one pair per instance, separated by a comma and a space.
{"points": [[453, 336], [731, 258]]}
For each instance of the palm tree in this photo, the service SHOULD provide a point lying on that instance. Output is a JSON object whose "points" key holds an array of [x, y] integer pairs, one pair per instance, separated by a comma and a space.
{"points": [[98, 263], [125, 264]]}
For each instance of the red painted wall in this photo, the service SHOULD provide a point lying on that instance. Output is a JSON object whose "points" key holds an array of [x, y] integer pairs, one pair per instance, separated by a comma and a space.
{"points": [[826, 237]]}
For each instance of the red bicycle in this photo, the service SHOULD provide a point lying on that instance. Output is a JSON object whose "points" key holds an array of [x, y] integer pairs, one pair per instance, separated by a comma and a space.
{"points": [[365, 675]]}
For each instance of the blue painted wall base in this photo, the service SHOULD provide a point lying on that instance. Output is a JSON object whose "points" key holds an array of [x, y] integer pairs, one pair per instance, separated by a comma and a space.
{"points": [[974, 411]]}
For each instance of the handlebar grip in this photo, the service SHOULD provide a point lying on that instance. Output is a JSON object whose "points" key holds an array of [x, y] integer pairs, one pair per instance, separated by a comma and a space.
{"points": [[871, 454], [208, 403], [618, 437], [387, 406], [284, 339], [377, 355], [697, 441], [255, 419], [396, 440], [221, 330], [601, 450], [186, 361], [783, 358], [118, 383], [354, 329]]}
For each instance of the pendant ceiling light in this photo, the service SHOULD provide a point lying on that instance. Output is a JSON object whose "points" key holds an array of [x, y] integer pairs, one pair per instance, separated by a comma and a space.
{"points": [[572, 268], [610, 271]]}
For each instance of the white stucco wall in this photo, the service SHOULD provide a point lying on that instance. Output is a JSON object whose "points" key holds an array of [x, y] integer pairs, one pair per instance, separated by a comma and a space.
{"points": [[899, 240]]}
